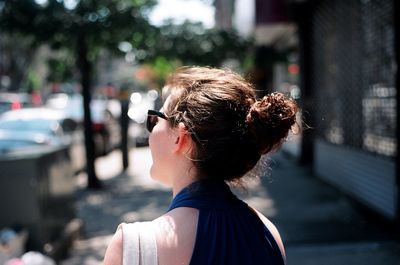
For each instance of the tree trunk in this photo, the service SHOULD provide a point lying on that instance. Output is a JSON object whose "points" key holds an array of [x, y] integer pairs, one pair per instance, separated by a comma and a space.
{"points": [[85, 68]]}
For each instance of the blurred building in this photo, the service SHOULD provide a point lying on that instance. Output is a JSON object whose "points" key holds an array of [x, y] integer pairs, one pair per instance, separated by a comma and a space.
{"points": [[349, 57], [340, 59], [275, 37], [224, 13]]}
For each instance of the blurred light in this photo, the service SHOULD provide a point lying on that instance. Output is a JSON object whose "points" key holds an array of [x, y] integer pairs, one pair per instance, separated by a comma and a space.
{"points": [[295, 92], [136, 115], [130, 57], [59, 101], [231, 64], [206, 46], [293, 69], [152, 94], [121, 6], [104, 12], [5, 81], [54, 127], [181, 10], [70, 4], [125, 46], [140, 74], [93, 17], [141, 54], [150, 42], [42, 2], [136, 98], [97, 127], [16, 105], [40, 138]]}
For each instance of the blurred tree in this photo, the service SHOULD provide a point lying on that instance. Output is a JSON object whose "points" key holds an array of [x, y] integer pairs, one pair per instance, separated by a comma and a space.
{"points": [[193, 44], [32, 81], [155, 73], [16, 56], [84, 26], [170, 46], [60, 69]]}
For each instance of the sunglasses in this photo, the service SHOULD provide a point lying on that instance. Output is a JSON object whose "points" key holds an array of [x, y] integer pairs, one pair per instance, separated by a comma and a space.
{"points": [[152, 119]]}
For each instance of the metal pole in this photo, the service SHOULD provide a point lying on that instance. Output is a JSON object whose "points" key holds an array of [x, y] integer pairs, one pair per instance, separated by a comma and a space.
{"points": [[397, 85], [124, 121], [302, 14]]}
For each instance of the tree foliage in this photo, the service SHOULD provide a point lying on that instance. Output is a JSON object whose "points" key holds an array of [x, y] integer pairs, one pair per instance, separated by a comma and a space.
{"points": [[193, 44], [170, 46], [16, 53], [103, 23]]}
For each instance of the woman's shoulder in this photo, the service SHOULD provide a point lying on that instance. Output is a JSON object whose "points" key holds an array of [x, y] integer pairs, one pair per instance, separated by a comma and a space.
{"points": [[176, 221], [273, 230], [114, 250], [175, 234]]}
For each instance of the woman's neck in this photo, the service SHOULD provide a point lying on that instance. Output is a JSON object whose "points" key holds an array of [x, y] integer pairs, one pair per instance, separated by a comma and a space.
{"points": [[183, 180]]}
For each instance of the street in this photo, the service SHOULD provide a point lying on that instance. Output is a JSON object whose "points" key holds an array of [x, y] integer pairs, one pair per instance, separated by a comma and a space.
{"points": [[318, 224]]}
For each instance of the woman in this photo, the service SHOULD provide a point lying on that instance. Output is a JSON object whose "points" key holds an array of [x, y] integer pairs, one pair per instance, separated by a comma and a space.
{"points": [[211, 131]]}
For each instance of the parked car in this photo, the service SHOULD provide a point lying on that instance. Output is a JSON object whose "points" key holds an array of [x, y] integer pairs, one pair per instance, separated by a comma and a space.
{"points": [[106, 129], [34, 127], [69, 104], [13, 101], [15, 142]]}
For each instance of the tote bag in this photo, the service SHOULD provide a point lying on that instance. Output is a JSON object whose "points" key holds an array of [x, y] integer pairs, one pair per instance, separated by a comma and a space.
{"points": [[139, 244]]}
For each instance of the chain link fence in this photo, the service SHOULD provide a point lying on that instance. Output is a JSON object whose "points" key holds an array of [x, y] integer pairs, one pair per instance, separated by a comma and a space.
{"points": [[353, 67]]}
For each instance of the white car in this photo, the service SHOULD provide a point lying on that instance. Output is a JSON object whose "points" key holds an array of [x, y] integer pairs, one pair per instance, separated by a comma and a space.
{"points": [[33, 127]]}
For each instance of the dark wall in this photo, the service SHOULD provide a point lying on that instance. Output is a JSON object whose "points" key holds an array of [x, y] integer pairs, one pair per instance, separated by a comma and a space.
{"points": [[271, 11]]}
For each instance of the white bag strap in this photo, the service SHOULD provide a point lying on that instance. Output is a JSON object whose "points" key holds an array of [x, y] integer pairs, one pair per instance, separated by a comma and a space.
{"points": [[130, 239], [139, 244], [148, 245]]}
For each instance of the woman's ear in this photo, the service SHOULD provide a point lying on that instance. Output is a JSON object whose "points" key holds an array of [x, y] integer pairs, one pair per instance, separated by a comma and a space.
{"points": [[183, 141]]}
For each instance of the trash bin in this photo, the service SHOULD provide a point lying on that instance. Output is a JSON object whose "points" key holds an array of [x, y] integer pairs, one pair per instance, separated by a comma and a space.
{"points": [[37, 193]]}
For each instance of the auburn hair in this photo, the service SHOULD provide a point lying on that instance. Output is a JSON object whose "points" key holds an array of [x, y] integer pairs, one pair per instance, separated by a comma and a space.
{"points": [[230, 127]]}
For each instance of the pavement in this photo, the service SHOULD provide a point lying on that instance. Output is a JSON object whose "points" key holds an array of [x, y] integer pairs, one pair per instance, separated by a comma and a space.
{"points": [[318, 223]]}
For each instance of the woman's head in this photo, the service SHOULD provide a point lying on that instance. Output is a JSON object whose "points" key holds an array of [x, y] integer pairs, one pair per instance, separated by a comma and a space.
{"points": [[230, 128]]}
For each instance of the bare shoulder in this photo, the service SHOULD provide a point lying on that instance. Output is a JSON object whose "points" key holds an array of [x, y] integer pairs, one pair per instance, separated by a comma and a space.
{"points": [[274, 231], [179, 221], [175, 235], [113, 254]]}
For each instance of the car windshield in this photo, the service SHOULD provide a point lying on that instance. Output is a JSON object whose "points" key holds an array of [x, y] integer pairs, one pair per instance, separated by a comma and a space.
{"points": [[37, 125]]}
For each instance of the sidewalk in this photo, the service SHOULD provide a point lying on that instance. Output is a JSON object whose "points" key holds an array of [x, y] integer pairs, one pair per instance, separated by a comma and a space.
{"points": [[128, 197], [318, 224]]}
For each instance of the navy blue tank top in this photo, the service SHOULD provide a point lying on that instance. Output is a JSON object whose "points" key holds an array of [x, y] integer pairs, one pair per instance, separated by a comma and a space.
{"points": [[229, 232]]}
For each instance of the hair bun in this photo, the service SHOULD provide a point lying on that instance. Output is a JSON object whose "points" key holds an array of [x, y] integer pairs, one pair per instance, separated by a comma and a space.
{"points": [[270, 119]]}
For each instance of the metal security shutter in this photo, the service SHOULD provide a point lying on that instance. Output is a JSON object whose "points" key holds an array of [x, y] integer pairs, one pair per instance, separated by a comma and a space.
{"points": [[367, 178], [353, 76]]}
